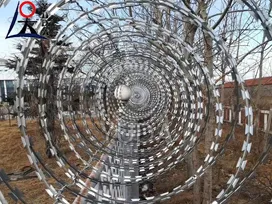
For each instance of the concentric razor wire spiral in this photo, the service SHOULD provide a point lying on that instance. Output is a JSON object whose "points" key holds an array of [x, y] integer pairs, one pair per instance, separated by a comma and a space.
{"points": [[168, 91]]}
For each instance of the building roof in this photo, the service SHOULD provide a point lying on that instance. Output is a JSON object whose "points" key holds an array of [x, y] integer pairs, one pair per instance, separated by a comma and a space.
{"points": [[2, 62], [252, 82], [7, 74]]}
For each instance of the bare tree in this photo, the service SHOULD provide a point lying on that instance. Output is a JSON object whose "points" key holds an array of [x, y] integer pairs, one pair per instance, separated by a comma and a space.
{"points": [[259, 88]]}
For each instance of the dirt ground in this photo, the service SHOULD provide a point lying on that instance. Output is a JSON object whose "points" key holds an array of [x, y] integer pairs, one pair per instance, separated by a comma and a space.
{"points": [[13, 159]]}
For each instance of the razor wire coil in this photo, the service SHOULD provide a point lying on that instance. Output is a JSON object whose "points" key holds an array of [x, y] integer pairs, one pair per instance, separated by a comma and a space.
{"points": [[167, 114]]}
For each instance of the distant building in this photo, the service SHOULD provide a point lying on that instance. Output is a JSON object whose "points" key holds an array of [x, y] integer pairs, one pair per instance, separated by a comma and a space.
{"points": [[7, 82], [252, 86], [265, 102], [265, 81]]}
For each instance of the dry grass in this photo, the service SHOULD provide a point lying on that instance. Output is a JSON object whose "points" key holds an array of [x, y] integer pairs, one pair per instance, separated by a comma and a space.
{"points": [[13, 158], [224, 167]]}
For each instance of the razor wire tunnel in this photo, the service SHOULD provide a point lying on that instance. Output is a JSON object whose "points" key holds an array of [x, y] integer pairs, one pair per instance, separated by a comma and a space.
{"points": [[143, 94]]}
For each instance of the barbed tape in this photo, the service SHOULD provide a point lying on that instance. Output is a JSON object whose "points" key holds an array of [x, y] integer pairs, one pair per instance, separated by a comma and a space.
{"points": [[168, 116]]}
